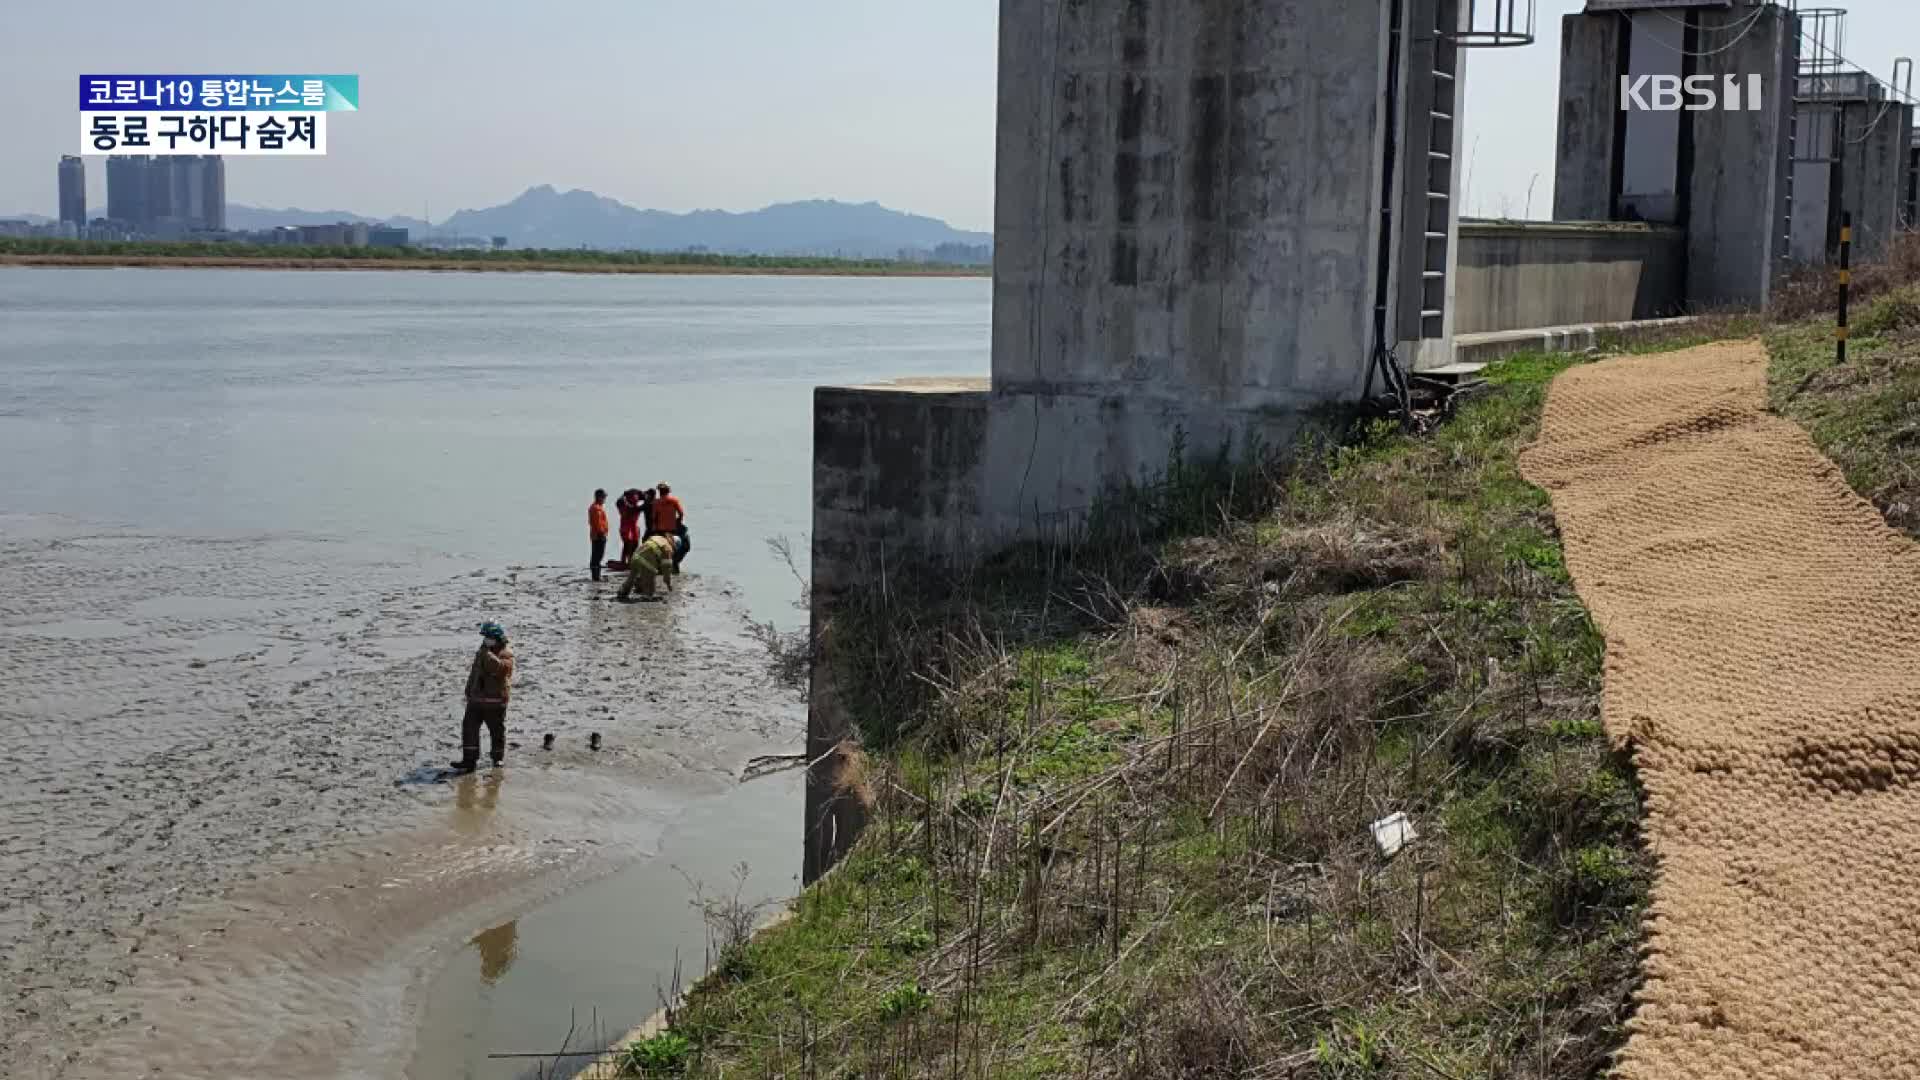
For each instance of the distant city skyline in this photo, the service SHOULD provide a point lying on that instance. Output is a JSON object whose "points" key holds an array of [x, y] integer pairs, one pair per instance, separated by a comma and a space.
{"points": [[180, 193], [669, 107]]}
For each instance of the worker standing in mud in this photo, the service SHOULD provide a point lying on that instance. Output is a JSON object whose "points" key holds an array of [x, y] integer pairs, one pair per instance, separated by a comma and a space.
{"points": [[489, 684], [654, 559], [597, 531]]}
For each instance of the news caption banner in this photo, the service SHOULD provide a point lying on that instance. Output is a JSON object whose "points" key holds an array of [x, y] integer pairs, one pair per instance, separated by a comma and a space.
{"points": [[212, 114]]}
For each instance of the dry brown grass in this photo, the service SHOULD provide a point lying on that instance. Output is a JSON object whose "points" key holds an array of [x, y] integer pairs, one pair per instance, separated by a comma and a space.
{"points": [[1813, 292]]}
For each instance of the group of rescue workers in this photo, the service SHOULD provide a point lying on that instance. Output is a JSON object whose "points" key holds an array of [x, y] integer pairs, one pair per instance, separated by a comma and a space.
{"points": [[653, 537], [653, 544]]}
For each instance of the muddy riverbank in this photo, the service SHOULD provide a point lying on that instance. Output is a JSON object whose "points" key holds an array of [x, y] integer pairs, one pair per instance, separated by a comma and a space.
{"points": [[225, 846]]}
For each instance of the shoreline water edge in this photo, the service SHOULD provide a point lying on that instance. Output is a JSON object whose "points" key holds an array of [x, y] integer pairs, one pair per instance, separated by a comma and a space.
{"points": [[480, 266]]}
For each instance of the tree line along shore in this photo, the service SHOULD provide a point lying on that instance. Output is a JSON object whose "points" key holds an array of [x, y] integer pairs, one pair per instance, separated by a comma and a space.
{"points": [[21, 252]]}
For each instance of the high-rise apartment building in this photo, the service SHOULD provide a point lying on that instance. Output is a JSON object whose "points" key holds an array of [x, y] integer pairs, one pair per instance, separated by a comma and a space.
{"points": [[168, 194], [73, 190], [162, 198], [127, 191], [213, 193]]}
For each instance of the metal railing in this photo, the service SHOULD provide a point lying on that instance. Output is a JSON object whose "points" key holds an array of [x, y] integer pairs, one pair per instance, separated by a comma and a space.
{"points": [[1496, 24]]}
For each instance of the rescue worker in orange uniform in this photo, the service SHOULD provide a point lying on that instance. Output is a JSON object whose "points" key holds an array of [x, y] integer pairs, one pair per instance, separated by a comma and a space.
{"points": [[669, 517], [597, 531]]}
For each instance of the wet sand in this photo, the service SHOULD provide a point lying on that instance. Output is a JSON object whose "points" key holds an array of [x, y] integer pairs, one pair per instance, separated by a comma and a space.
{"points": [[577, 973], [223, 847]]}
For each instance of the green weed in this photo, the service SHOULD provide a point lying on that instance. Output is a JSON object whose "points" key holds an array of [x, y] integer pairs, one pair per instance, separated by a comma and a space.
{"points": [[665, 1054], [904, 1001]]}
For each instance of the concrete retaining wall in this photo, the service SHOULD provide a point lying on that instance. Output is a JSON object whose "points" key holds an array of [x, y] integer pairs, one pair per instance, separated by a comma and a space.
{"points": [[1516, 275], [1488, 347], [897, 479], [895, 465]]}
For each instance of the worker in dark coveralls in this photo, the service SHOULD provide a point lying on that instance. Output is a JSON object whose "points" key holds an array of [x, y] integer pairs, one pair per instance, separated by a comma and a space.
{"points": [[489, 684]]}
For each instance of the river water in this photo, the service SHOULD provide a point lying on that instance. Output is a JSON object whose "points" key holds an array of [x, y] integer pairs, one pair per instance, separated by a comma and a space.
{"points": [[248, 522]]}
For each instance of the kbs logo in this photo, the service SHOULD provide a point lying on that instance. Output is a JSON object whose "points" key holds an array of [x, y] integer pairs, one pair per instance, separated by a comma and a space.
{"points": [[1695, 93]]}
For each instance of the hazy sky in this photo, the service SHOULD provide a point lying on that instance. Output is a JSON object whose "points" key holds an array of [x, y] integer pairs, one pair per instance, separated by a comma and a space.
{"points": [[702, 103]]}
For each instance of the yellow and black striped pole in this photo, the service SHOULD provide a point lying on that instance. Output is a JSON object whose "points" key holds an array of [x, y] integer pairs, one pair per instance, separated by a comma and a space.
{"points": [[1846, 284]]}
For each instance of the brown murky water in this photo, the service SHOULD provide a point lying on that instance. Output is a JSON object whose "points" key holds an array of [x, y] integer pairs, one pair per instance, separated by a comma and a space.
{"points": [[577, 965]]}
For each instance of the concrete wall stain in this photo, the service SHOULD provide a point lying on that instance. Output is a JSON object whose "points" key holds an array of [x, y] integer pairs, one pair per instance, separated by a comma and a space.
{"points": [[1125, 270], [1131, 118], [1135, 50], [1207, 157]]}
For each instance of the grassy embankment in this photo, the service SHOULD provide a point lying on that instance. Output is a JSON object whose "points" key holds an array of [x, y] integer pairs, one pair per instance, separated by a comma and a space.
{"points": [[1124, 795], [26, 252], [1864, 415]]}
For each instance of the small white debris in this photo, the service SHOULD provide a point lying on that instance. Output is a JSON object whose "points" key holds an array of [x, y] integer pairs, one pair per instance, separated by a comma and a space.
{"points": [[1392, 833]]}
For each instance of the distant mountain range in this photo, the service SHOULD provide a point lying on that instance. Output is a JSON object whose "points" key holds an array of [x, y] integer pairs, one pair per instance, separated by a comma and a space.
{"points": [[546, 218], [242, 217]]}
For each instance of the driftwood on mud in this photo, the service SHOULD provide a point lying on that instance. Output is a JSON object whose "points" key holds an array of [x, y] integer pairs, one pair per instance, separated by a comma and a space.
{"points": [[770, 764]]}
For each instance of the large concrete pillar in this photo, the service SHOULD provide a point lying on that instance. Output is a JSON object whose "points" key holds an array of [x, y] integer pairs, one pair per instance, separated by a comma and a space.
{"points": [[1874, 171], [1737, 218], [1187, 240], [1586, 159]]}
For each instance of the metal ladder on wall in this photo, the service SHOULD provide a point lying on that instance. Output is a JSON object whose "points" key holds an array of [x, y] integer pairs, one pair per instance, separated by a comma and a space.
{"points": [[1445, 106], [1418, 208], [1489, 24]]}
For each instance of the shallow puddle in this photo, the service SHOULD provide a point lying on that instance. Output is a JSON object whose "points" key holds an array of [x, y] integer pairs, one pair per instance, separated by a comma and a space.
{"points": [[596, 960]]}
